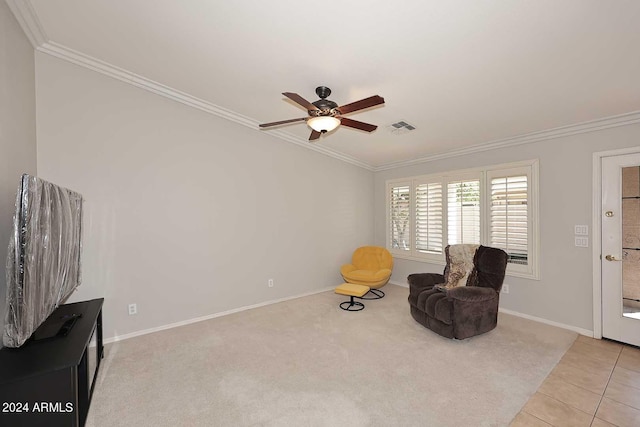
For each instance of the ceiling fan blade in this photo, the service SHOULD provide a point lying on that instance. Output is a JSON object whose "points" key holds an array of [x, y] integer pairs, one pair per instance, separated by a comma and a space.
{"points": [[362, 104], [300, 100], [344, 121], [283, 122], [314, 135]]}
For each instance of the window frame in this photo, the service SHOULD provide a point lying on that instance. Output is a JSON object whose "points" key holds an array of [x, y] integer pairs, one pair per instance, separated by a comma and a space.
{"points": [[484, 175]]}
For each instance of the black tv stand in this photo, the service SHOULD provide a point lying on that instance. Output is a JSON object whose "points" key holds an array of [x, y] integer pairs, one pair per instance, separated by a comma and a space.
{"points": [[56, 326], [50, 382]]}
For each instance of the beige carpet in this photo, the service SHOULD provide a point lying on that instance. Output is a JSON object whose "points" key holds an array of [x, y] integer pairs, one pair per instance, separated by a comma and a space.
{"points": [[305, 362]]}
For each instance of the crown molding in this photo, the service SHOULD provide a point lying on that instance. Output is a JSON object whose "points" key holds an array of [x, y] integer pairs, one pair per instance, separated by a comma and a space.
{"points": [[286, 136], [28, 20], [559, 132], [79, 58], [102, 67]]}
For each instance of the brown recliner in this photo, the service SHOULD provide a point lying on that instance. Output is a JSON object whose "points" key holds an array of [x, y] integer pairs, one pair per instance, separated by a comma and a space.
{"points": [[464, 311]]}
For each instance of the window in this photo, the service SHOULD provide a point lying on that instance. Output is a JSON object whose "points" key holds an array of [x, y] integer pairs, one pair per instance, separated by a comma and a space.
{"points": [[495, 206], [429, 218], [463, 199], [399, 208], [509, 214]]}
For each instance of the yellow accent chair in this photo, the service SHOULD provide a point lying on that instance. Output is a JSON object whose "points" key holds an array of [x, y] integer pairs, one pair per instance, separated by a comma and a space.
{"points": [[370, 266]]}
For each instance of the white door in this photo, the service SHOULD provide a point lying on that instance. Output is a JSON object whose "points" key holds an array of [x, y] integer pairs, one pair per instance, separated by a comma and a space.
{"points": [[621, 248]]}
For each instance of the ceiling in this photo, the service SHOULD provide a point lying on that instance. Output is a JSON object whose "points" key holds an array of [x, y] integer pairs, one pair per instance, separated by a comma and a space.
{"points": [[463, 73]]}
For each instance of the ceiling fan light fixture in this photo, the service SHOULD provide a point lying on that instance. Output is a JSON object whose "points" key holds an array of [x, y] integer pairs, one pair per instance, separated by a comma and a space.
{"points": [[323, 123], [325, 115]]}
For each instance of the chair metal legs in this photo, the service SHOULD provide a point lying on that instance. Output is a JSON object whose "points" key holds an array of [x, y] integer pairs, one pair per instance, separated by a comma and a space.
{"points": [[352, 305], [378, 294]]}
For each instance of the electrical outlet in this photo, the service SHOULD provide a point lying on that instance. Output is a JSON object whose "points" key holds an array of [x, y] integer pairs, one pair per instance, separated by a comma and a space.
{"points": [[505, 288], [270, 283], [133, 309]]}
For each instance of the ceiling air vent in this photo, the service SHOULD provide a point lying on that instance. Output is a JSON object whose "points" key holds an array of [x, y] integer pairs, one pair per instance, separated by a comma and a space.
{"points": [[400, 127]]}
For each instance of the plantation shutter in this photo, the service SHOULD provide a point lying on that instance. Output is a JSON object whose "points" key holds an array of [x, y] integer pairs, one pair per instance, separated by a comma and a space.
{"points": [[463, 205], [509, 222], [399, 216], [428, 218]]}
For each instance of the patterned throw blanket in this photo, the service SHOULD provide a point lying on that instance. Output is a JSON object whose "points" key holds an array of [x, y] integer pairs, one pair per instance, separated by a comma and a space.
{"points": [[460, 261]]}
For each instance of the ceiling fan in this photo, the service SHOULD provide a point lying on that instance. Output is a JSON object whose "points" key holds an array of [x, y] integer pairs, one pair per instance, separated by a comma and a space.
{"points": [[326, 115]]}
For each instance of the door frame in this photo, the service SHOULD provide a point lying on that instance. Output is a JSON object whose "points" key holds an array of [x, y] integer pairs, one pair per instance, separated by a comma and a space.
{"points": [[596, 235]]}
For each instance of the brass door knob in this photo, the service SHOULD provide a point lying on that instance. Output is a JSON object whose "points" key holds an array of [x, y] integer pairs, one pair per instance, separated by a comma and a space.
{"points": [[611, 258]]}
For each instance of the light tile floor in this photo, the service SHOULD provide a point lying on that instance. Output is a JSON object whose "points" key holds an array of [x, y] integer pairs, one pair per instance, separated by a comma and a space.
{"points": [[596, 383]]}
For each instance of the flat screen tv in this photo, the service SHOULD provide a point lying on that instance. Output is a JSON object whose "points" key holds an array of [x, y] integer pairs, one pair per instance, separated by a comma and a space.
{"points": [[43, 263]]}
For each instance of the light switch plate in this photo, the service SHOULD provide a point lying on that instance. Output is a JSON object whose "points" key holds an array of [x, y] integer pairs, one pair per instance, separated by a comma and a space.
{"points": [[582, 242], [581, 230]]}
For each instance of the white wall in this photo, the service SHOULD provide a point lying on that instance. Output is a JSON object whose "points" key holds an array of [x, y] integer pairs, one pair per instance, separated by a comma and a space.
{"points": [[188, 214], [564, 293], [17, 127]]}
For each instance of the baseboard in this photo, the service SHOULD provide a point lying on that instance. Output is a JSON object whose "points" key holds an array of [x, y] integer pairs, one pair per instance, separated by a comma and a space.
{"points": [[581, 331], [404, 285], [117, 338], [210, 316]]}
